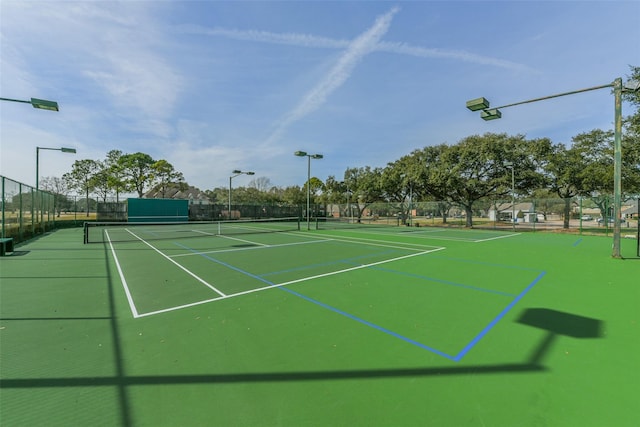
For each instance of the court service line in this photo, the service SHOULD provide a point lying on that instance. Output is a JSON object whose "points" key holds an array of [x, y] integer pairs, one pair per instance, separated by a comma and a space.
{"points": [[386, 244], [229, 237], [262, 246], [272, 285], [497, 237], [406, 234], [358, 267], [132, 305], [190, 273], [427, 236]]}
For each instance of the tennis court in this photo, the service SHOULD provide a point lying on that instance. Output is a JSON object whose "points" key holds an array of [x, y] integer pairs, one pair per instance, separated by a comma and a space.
{"points": [[263, 324]]}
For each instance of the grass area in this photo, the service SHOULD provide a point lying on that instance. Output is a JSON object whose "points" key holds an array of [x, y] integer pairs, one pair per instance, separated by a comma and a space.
{"points": [[438, 327]]}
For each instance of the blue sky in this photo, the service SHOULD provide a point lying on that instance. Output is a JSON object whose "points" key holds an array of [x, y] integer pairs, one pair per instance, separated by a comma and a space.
{"points": [[212, 86]]}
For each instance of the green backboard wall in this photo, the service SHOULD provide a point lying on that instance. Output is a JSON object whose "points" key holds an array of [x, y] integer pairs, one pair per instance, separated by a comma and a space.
{"points": [[158, 210]]}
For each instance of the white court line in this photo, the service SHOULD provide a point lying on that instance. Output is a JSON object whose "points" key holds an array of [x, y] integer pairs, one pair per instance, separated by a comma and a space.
{"points": [[132, 305], [204, 282], [496, 238], [228, 237], [424, 235], [386, 243], [242, 240], [421, 235], [216, 251], [304, 279]]}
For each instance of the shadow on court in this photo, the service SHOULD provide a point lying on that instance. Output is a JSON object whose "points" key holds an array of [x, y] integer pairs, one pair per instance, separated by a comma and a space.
{"points": [[554, 322]]}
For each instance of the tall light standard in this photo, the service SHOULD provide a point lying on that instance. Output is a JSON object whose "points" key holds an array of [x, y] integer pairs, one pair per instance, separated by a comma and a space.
{"points": [[236, 172], [513, 194], [42, 104], [309, 157], [486, 113], [64, 150], [350, 216]]}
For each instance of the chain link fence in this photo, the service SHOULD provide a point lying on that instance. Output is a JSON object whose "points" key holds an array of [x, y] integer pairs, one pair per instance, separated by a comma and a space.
{"points": [[27, 212], [574, 214]]}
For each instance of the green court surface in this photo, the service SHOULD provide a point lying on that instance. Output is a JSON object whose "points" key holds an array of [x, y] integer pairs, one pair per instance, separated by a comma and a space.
{"points": [[351, 327]]}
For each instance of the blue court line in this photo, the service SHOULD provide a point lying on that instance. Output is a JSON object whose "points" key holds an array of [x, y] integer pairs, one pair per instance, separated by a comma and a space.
{"points": [[444, 282], [490, 264], [373, 325], [577, 242], [455, 358], [499, 317], [328, 307], [239, 270]]}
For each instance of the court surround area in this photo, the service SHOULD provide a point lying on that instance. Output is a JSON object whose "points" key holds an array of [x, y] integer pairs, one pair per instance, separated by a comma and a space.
{"points": [[370, 326]]}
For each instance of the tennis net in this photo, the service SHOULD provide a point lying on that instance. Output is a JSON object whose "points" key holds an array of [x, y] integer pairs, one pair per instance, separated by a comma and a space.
{"points": [[97, 232], [365, 222]]}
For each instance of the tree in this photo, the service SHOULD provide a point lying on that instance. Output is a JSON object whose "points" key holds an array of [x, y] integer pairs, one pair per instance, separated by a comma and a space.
{"points": [[59, 188], [138, 170], [364, 184], [478, 168], [261, 183], [82, 176], [631, 141], [116, 177], [438, 176], [294, 195], [101, 181], [564, 172], [165, 176], [397, 181]]}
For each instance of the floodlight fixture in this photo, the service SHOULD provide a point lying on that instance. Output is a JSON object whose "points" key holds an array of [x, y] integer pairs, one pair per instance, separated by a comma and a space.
{"points": [[42, 104], [478, 104], [491, 114], [631, 86]]}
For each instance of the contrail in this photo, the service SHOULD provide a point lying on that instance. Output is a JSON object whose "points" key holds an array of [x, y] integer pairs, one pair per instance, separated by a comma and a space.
{"points": [[291, 39], [356, 50], [306, 40]]}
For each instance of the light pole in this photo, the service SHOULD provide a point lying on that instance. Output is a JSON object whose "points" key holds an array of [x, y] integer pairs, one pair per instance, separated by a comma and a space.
{"points": [[309, 157], [235, 173], [348, 210], [486, 113], [349, 202], [63, 149], [42, 104], [513, 194], [37, 194]]}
